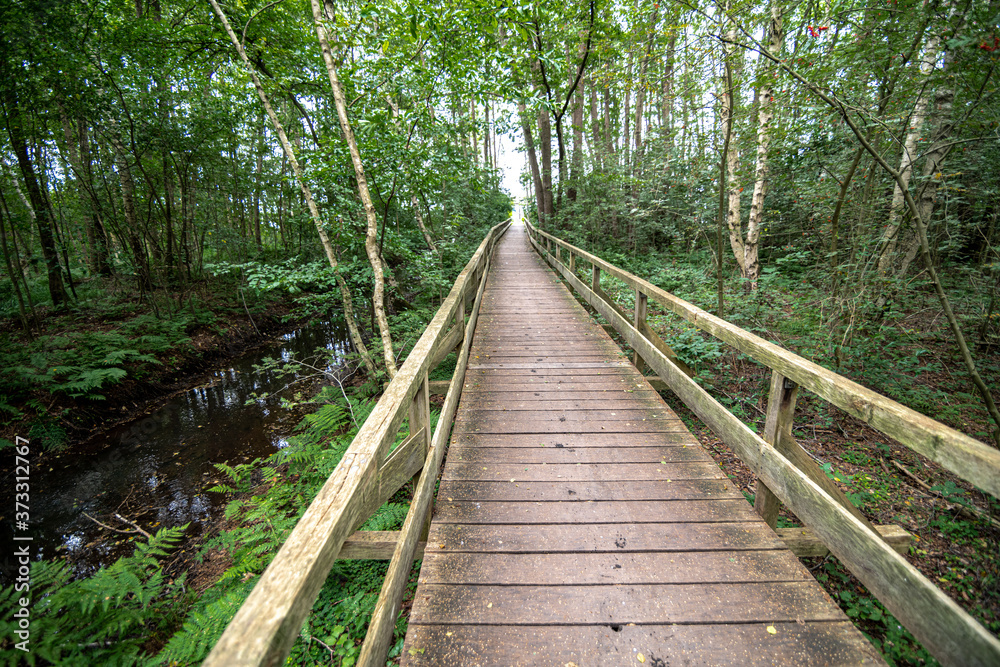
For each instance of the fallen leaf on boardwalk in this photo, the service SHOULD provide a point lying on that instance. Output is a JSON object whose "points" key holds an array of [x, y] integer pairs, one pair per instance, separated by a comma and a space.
{"points": [[489, 606], [570, 664], [640, 658], [512, 480], [449, 500], [414, 651], [448, 634], [771, 630]]}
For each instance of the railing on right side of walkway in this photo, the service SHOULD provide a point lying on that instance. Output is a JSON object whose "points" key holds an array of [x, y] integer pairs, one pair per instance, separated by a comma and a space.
{"points": [[786, 473]]}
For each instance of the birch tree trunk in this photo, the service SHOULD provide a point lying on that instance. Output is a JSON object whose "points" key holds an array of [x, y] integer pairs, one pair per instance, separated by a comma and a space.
{"points": [[331, 256], [764, 118], [891, 233], [371, 236], [419, 215], [733, 67], [934, 161]]}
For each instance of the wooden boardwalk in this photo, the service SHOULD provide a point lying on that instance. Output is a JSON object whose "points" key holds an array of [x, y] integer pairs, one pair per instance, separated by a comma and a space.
{"points": [[579, 522]]}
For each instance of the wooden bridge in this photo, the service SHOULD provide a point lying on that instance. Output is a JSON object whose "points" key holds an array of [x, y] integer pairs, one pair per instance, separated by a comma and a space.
{"points": [[577, 521]]}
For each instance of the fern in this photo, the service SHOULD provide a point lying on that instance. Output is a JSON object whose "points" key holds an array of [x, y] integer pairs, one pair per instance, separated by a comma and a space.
{"points": [[104, 619], [203, 628]]}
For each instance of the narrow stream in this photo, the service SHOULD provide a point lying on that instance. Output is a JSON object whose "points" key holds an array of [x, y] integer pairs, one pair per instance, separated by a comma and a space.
{"points": [[156, 469]]}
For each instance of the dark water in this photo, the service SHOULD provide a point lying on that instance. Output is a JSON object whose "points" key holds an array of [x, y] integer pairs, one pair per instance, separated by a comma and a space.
{"points": [[156, 469]]}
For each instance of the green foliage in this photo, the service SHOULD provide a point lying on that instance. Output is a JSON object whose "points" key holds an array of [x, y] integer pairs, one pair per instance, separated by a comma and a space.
{"points": [[268, 498], [108, 618], [80, 364], [895, 642]]}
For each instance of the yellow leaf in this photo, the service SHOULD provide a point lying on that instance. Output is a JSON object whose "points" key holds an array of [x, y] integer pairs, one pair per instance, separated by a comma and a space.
{"points": [[489, 606], [640, 658], [771, 630]]}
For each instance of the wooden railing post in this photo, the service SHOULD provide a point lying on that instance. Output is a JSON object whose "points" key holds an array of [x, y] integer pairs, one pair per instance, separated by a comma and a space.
{"points": [[572, 262], [638, 320], [460, 320], [595, 278], [420, 413], [778, 433], [780, 414]]}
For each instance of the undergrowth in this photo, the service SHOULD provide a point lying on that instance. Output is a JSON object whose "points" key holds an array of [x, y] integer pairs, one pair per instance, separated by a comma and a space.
{"points": [[133, 613]]}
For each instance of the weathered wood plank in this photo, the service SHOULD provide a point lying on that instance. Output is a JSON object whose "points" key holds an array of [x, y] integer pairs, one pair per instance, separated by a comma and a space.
{"points": [[462, 491], [622, 604], [571, 455], [556, 426], [375, 545], [804, 543], [805, 644], [464, 569], [680, 437], [609, 538], [673, 511], [657, 472]]}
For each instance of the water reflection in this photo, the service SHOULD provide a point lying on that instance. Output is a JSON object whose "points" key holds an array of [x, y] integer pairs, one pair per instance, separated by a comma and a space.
{"points": [[157, 469]]}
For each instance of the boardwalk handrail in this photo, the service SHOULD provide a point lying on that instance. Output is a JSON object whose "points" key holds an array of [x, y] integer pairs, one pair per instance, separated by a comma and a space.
{"points": [[789, 474], [267, 624]]}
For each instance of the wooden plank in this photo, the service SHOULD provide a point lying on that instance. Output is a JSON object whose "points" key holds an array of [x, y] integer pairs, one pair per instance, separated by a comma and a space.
{"points": [[609, 538], [604, 416], [374, 545], [680, 437], [508, 403], [555, 426], [685, 489], [622, 604], [672, 511], [804, 543], [805, 644], [463, 569], [518, 472], [608, 455]]}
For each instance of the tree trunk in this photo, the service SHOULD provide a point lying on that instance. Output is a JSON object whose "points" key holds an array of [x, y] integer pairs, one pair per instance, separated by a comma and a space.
{"points": [[764, 117], [545, 139], [596, 144], [640, 100], [345, 293], [734, 218], [419, 215], [934, 162], [916, 125], [371, 237], [15, 273], [576, 164], [42, 215], [536, 177]]}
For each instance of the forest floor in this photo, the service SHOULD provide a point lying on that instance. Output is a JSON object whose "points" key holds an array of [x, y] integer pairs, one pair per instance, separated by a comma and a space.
{"points": [[160, 355]]}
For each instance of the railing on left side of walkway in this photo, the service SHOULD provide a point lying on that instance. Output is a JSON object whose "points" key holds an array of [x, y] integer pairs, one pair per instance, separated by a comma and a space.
{"points": [[786, 473], [267, 624]]}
